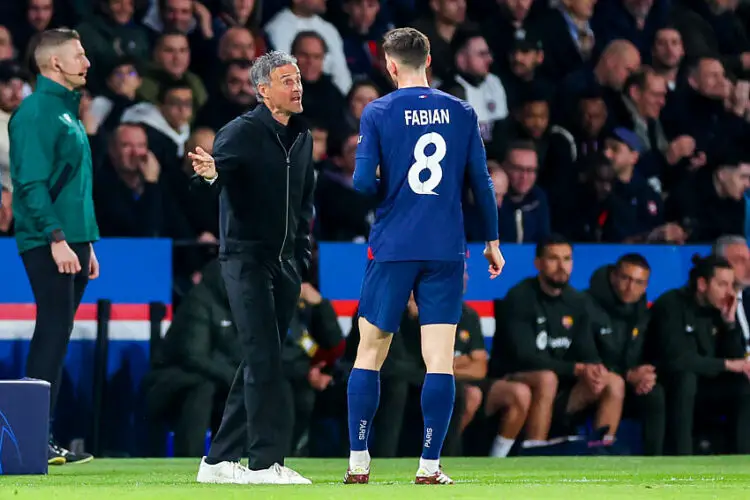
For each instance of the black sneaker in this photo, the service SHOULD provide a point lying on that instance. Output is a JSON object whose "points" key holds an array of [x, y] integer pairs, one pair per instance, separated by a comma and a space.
{"points": [[68, 456], [54, 456]]}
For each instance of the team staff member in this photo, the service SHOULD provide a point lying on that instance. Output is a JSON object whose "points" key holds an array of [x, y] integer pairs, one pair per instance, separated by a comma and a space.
{"points": [[546, 343], [696, 345], [619, 317], [53, 208], [264, 168]]}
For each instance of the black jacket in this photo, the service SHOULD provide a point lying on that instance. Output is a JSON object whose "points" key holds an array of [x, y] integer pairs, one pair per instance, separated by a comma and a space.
{"points": [[619, 329], [267, 182]]}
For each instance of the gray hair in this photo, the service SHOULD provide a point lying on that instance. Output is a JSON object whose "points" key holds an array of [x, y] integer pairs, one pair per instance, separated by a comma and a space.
{"points": [[720, 246], [260, 73]]}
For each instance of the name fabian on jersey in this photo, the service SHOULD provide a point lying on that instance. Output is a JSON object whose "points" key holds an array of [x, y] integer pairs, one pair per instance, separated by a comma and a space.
{"points": [[427, 116]]}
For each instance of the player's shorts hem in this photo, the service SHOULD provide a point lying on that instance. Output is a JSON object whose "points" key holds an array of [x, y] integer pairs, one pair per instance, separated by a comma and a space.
{"points": [[380, 325]]}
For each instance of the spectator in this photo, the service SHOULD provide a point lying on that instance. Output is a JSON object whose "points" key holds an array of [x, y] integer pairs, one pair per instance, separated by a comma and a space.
{"points": [[567, 37], [343, 213], [472, 217], [364, 29], [129, 200], [120, 93], [6, 209], [39, 16], [508, 23], [168, 123], [304, 15], [473, 81], [702, 103], [194, 366], [7, 51], [592, 212], [617, 62], [623, 148], [710, 27], [734, 249], [524, 216], [588, 127], [171, 62], [711, 203], [320, 145], [237, 43], [11, 95], [109, 35], [620, 317], [545, 341], [362, 93], [324, 102], [633, 20], [445, 17], [190, 18], [667, 55], [236, 96], [241, 13], [697, 349], [525, 57]]}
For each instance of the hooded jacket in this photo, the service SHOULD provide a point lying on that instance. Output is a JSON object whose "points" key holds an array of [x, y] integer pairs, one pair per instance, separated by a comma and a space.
{"points": [[619, 329]]}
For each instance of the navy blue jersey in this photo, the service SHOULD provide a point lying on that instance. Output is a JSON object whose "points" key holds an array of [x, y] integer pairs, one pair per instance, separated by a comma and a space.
{"points": [[424, 142]]}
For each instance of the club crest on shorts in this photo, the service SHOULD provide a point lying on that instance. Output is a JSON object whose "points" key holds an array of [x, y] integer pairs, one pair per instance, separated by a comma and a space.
{"points": [[567, 322], [464, 335]]}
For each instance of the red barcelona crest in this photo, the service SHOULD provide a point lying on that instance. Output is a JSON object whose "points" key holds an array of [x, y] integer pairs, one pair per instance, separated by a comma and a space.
{"points": [[567, 322]]}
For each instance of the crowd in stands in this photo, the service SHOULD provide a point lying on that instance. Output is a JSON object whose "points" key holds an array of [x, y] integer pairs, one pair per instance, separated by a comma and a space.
{"points": [[604, 121]]}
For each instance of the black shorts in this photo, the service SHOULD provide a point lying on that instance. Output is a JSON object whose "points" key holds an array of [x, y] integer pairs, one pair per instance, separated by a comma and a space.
{"points": [[480, 433]]}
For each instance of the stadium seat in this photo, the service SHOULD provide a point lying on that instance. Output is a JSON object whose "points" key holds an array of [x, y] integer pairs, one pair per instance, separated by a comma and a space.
{"points": [[24, 426]]}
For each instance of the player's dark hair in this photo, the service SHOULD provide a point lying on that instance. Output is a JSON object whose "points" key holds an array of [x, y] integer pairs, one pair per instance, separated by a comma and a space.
{"points": [[408, 46], [705, 267], [549, 241], [302, 35], [167, 87], [633, 259]]}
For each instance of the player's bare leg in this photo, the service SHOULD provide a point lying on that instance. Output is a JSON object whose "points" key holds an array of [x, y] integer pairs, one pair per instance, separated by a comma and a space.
{"points": [[438, 397], [473, 400], [543, 385], [514, 398], [610, 401], [363, 393]]}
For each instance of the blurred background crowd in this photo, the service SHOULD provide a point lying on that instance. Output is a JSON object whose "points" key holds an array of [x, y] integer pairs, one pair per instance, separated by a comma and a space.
{"points": [[620, 121]]}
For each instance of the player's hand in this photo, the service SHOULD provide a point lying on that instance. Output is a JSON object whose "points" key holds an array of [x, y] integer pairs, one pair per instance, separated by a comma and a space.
{"points": [[495, 258], [203, 163], [736, 365], [317, 379], [309, 294], [65, 258], [93, 265]]}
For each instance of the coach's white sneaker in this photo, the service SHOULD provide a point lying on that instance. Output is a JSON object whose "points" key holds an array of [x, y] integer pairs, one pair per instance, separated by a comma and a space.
{"points": [[223, 473], [276, 474]]}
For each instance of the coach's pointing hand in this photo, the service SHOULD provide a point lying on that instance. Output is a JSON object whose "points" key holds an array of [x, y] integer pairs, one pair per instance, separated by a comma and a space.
{"points": [[203, 163], [495, 258]]}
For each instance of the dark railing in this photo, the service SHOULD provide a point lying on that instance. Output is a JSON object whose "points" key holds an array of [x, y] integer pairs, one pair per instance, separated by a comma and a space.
{"points": [[103, 317]]}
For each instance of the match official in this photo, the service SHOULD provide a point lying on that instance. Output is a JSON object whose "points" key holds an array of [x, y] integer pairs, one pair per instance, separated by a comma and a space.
{"points": [[51, 171], [263, 165]]}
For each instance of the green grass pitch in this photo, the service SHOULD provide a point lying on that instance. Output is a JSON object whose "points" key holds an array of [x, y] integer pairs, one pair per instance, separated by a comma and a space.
{"points": [[599, 478]]}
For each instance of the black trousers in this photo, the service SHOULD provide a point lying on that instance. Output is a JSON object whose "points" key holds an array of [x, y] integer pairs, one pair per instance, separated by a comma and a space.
{"points": [[57, 298], [650, 410], [262, 297], [188, 403], [689, 396], [299, 412]]}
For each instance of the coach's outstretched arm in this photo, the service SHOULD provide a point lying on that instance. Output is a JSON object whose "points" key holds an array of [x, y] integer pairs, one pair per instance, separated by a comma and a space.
{"points": [[228, 148], [368, 154]]}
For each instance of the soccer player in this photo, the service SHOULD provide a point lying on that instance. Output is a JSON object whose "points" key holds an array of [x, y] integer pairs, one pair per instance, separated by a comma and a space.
{"points": [[423, 143]]}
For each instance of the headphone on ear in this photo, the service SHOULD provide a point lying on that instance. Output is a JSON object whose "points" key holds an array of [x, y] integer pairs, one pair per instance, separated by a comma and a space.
{"points": [[59, 68]]}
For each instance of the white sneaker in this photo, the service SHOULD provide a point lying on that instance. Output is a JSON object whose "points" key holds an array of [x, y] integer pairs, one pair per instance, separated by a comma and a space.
{"points": [[276, 474], [222, 473]]}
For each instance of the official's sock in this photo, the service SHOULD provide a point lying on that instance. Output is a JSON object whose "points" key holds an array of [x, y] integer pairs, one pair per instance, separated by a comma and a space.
{"points": [[438, 397], [363, 392], [501, 446]]}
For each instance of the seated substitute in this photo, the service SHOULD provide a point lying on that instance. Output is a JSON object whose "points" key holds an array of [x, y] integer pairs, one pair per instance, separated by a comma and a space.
{"points": [[544, 340], [696, 345], [619, 317]]}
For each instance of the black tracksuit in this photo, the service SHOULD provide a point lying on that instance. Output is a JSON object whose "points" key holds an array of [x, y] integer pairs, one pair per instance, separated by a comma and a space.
{"points": [[619, 333], [689, 344], [265, 209]]}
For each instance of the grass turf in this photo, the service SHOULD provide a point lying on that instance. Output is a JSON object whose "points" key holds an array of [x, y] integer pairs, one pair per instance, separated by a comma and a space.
{"points": [[600, 478]]}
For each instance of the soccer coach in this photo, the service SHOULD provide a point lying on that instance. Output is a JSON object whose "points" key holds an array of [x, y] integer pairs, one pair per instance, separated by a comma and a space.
{"points": [[51, 171], [263, 165]]}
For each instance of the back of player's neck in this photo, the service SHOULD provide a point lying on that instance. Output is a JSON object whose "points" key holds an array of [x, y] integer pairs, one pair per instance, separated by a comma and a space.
{"points": [[413, 82]]}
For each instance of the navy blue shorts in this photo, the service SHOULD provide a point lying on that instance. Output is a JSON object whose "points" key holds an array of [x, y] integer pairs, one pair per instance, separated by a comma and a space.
{"points": [[438, 288]]}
